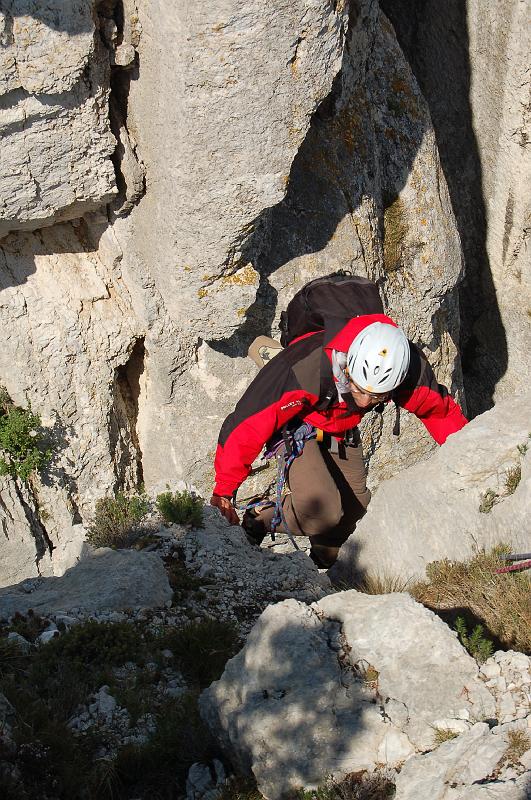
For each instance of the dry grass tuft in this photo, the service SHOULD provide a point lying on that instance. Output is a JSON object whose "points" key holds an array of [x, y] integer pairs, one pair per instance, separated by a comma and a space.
{"points": [[442, 735], [383, 584], [519, 743], [502, 602], [354, 786], [512, 478]]}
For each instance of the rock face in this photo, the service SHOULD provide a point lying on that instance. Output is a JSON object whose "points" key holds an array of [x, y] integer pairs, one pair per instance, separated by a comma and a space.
{"points": [[317, 691], [126, 328], [442, 509], [364, 191], [61, 309], [54, 119], [471, 63]]}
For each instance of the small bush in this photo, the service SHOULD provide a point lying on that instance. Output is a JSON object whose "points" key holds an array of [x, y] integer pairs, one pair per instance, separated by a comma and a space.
{"points": [[477, 645], [512, 478], [488, 501], [21, 441], [180, 579], [185, 508], [158, 767], [202, 649], [29, 626], [115, 519], [354, 786]]}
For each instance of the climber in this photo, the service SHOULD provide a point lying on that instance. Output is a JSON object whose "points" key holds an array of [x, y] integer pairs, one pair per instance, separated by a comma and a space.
{"points": [[328, 377]]}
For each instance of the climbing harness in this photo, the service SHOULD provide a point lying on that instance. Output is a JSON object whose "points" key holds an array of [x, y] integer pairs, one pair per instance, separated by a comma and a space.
{"points": [[285, 447], [524, 560]]}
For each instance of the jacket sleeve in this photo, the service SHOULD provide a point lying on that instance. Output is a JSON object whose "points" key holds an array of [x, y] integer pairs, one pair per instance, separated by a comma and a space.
{"points": [[271, 400], [429, 400]]}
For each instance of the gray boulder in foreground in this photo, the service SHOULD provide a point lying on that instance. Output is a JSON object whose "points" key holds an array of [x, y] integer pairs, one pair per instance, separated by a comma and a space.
{"points": [[350, 683], [107, 580], [465, 768], [431, 510]]}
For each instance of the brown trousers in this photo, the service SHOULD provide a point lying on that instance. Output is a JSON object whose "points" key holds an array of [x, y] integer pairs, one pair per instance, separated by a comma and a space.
{"points": [[328, 495]]}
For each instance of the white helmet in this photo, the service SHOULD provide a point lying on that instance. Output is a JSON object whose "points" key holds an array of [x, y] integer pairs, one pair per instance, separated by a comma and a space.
{"points": [[378, 358]]}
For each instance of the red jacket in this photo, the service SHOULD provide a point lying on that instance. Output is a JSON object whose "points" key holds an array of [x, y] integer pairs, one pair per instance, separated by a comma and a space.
{"points": [[299, 382]]}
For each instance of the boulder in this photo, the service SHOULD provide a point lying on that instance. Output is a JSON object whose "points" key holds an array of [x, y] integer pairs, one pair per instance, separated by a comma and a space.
{"points": [[108, 580], [347, 683], [438, 509], [470, 767]]}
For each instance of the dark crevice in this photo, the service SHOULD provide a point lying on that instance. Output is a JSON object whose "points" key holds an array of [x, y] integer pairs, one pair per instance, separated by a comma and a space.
{"points": [[435, 40], [130, 179], [123, 434], [43, 544]]}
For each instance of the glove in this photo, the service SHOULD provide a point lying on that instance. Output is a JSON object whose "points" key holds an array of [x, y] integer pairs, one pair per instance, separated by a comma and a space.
{"points": [[225, 506]]}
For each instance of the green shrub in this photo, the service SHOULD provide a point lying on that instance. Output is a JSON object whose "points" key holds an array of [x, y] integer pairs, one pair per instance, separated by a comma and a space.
{"points": [[202, 649], [29, 626], [477, 645], [184, 508], [160, 766], [354, 786], [21, 441], [94, 643], [115, 519]]}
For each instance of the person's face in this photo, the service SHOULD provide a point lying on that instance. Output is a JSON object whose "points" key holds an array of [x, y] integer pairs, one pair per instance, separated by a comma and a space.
{"points": [[365, 399]]}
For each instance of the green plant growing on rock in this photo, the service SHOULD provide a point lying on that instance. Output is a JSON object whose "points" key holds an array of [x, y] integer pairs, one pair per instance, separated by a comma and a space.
{"points": [[512, 478], [354, 786], [21, 441], [184, 508], [488, 501], [115, 520], [500, 601], [180, 579], [29, 626], [477, 645]]}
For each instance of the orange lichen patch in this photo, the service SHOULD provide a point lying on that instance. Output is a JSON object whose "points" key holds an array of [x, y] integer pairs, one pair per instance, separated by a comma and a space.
{"points": [[246, 276], [201, 293], [241, 312], [400, 85], [395, 233], [423, 221], [349, 126]]}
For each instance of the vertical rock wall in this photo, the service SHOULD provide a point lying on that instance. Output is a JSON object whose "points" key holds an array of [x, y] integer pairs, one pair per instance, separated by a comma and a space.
{"points": [[471, 61]]}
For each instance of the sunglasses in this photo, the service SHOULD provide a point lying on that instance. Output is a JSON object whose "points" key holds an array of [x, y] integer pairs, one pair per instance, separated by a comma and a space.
{"points": [[379, 397]]}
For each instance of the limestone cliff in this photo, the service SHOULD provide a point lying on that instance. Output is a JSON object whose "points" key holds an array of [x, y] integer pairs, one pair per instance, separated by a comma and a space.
{"points": [[173, 174]]}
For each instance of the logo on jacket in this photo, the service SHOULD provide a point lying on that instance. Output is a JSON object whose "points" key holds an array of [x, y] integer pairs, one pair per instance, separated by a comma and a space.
{"points": [[290, 405]]}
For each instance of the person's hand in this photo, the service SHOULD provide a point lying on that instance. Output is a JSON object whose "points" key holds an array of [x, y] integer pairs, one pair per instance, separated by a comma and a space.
{"points": [[226, 508]]}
